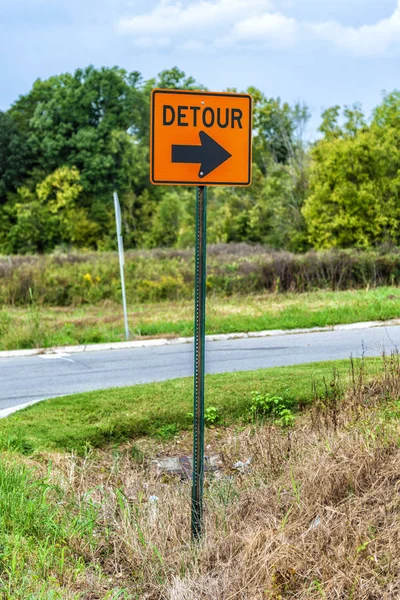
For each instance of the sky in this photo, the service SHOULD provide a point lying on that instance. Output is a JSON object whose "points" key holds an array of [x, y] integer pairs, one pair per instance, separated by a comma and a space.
{"points": [[321, 52]]}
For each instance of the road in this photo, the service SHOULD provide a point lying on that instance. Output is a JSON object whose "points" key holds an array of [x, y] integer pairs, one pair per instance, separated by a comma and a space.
{"points": [[28, 379]]}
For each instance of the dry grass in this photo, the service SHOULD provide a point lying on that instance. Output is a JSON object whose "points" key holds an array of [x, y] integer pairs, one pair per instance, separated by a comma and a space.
{"points": [[318, 515]]}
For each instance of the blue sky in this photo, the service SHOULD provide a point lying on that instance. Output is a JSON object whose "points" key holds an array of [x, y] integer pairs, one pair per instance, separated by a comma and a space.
{"points": [[322, 52]]}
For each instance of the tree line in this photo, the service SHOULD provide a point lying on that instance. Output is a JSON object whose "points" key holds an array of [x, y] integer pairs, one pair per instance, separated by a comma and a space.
{"points": [[74, 138]]}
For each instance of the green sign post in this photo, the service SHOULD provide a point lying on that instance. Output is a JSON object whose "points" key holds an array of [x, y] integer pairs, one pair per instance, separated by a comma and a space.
{"points": [[199, 358]]}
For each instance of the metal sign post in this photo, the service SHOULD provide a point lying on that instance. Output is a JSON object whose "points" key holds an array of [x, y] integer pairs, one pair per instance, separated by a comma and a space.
{"points": [[199, 357], [118, 221]]}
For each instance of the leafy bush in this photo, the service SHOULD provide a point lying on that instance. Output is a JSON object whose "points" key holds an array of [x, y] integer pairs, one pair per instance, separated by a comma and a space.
{"points": [[167, 432], [211, 416], [276, 407]]}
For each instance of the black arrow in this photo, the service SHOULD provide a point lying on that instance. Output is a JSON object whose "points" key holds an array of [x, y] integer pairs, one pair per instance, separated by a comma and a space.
{"points": [[210, 154]]}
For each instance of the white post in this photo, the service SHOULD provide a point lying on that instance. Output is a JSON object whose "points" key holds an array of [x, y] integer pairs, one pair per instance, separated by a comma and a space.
{"points": [[118, 221]]}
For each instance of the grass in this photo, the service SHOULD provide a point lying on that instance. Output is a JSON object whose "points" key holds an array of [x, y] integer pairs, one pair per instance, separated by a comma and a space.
{"points": [[40, 326], [35, 523], [316, 516], [95, 419]]}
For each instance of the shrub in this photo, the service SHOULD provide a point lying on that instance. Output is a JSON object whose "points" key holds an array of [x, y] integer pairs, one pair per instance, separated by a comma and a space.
{"points": [[266, 405], [211, 416], [151, 276]]}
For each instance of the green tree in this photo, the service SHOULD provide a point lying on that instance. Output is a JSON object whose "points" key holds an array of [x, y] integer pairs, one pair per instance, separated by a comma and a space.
{"points": [[95, 123], [73, 122], [166, 222], [269, 211], [50, 216], [14, 156], [278, 129], [175, 79], [355, 179]]}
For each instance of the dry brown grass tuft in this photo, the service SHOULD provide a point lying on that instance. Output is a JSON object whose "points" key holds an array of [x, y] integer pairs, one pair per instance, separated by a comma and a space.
{"points": [[318, 515]]}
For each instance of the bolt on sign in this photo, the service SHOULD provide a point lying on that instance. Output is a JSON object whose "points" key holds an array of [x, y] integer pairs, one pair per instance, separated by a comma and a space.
{"points": [[200, 138]]}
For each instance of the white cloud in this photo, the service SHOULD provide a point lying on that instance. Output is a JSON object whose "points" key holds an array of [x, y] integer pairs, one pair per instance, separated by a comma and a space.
{"points": [[244, 22], [148, 41], [170, 17], [365, 40], [269, 27]]}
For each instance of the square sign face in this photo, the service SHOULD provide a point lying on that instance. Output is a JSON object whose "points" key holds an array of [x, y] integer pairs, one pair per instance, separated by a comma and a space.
{"points": [[200, 138]]}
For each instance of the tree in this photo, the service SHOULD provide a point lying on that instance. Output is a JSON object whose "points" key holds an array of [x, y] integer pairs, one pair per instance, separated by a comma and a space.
{"points": [[175, 79], [166, 222], [355, 180], [14, 156], [278, 129], [97, 121], [51, 216], [94, 124], [73, 124]]}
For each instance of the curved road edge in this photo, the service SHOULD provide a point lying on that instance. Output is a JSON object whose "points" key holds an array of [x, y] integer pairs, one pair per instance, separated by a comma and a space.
{"points": [[220, 337]]}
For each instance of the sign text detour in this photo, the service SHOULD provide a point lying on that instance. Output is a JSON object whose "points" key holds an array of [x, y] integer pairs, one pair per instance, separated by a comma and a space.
{"points": [[194, 116], [200, 138]]}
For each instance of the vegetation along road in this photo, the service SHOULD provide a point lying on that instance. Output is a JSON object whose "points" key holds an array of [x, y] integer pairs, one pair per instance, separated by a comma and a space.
{"points": [[27, 379]]}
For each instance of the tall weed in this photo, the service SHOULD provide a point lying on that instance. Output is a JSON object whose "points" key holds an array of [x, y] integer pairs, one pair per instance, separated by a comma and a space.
{"points": [[89, 278]]}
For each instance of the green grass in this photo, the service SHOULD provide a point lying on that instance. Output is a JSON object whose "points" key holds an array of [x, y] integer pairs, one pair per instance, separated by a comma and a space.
{"points": [[48, 537], [39, 536], [44, 326], [96, 419]]}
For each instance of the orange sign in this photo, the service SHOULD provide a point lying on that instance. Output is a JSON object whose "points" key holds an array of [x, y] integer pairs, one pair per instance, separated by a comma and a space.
{"points": [[200, 138]]}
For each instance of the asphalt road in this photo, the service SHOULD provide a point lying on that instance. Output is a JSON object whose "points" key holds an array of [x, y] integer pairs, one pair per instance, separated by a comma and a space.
{"points": [[28, 379]]}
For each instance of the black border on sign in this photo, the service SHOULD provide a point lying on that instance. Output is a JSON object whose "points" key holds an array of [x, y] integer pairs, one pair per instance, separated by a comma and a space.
{"points": [[200, 182]]}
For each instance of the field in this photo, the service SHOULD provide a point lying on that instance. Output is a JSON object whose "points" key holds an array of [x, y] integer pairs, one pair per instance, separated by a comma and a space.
{"points": [[79, 279], [315, 514], [76, 298], [43, 326]]}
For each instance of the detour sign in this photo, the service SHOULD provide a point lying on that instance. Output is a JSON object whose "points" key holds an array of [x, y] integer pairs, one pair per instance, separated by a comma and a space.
{"points": [[200, 138]]}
